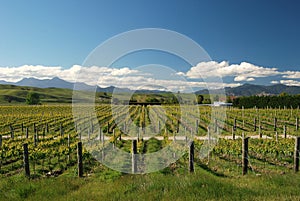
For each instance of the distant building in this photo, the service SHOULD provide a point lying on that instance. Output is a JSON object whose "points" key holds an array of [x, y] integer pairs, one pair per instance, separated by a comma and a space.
{"points": [[218, 104]]}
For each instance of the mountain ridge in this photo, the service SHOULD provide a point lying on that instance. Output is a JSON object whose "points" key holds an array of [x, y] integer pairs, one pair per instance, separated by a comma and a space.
{"points": [[252, 89], [57, 82], [243, 90]]}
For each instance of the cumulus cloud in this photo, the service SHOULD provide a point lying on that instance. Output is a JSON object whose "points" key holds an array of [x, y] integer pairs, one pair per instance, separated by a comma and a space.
{"points": [[144, 82], [241, 72], [14, 74], [274, 82], [250, 79], [107, 76], [206, 69], [199, 76], [292, 74], [243, 78], [89, 75], [290, 82]]}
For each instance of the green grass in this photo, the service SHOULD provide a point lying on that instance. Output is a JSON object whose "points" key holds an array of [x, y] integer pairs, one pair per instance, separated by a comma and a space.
{"points": [[57, 95], [49, 95], [107, 184]]}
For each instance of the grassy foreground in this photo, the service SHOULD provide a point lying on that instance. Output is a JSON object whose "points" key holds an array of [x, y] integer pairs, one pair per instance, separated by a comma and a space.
{"points": [[111, 185]]}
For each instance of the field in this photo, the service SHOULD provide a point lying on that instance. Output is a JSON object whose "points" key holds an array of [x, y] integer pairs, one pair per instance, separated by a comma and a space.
{"points": [[50, 132]]}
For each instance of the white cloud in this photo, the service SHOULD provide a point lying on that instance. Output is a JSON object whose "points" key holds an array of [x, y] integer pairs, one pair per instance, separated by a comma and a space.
{"points": [[240, 78], [274, 82], [292, 75], [13, 74], [82, 74], [106, 76], [180, 73], [206, 69], [136, 78], [241, 72], [290, 82]]}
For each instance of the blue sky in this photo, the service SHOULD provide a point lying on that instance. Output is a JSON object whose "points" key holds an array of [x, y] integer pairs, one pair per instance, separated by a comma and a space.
{"points": [[62, 33]]}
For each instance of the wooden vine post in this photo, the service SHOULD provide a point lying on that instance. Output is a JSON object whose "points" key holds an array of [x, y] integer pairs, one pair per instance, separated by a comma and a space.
{"points": [[296, 154], [61, 130], [275, 124], [47, 128], [79, 159], [196, 126], [259, 131], [134, 152], [158, 126], [245, 155], [216, 125], [208, 140], [234, 125], [26, 132], [12, 132], [26, 160], [124, 127], [1, 150], [191, 157], [100, 134], [35, 139], [34, 127]]}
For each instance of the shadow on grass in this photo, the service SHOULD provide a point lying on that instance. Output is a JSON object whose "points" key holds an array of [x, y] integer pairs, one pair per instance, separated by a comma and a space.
{"points": [[208, 169]]}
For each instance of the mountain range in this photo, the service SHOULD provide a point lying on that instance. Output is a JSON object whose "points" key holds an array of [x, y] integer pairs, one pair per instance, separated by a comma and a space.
{"points": [[60, 83], [243, 90], [251, 89]]}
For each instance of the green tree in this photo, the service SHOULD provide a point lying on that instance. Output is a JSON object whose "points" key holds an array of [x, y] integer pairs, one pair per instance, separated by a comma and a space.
{"points": [[216, 98], [8, 98], [283, 94], [207, 101], [229, 99], [200, 99], [33, 98]]}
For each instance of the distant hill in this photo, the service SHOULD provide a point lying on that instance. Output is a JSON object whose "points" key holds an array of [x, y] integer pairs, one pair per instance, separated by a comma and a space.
{"points": [[17, 94], [250, 90], [243, 90], [12, 94], [60, 83], [45, 83]]}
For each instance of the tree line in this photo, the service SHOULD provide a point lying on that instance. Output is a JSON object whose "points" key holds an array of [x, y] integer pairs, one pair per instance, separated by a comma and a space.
{"points": [[280, 101]]}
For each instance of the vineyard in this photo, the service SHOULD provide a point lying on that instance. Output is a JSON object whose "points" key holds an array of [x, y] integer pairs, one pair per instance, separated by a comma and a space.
{"points": [[52, 134]]}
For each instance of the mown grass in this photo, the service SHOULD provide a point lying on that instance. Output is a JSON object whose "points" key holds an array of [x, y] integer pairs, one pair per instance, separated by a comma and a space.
{"points": [[107, 184]]}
